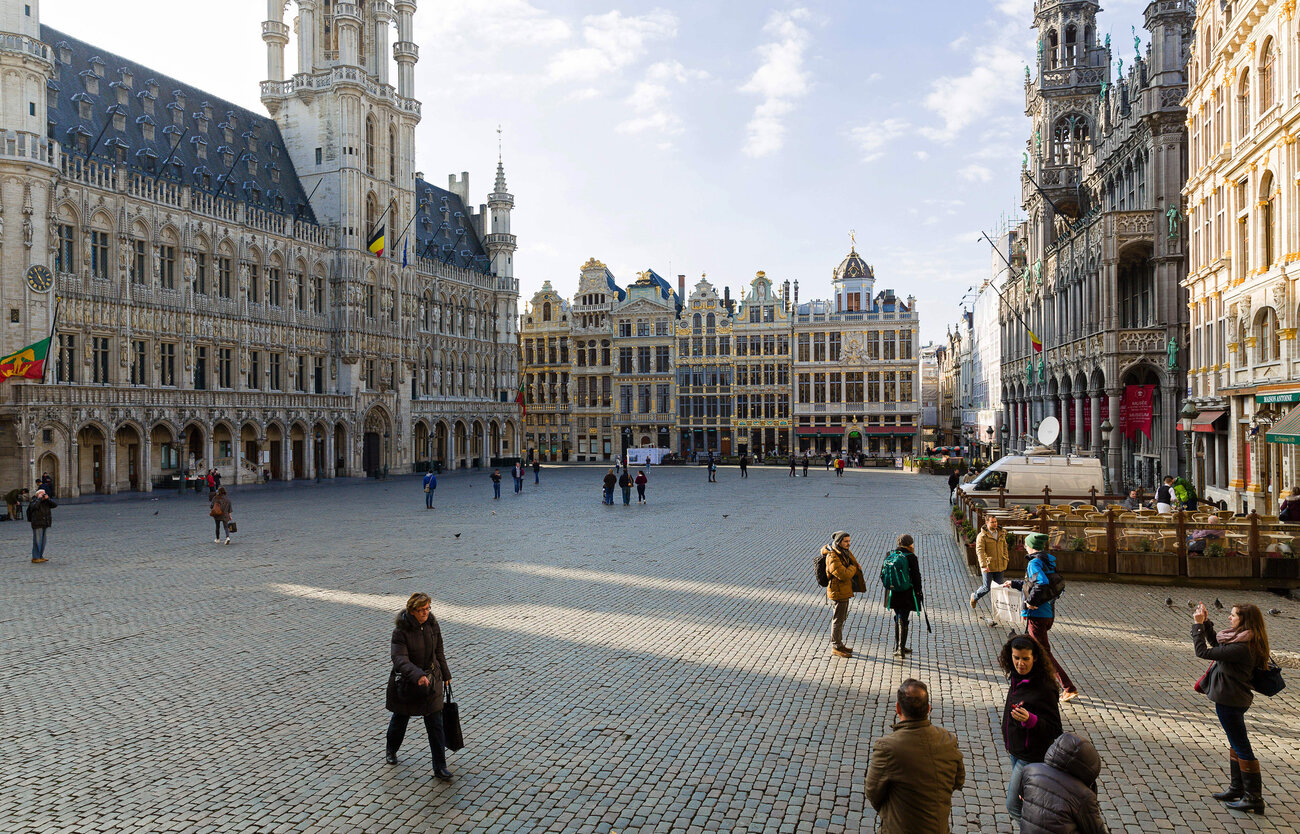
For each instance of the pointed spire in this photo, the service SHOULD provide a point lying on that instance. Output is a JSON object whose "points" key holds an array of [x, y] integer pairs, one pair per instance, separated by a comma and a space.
{"points": [[500, 186]]}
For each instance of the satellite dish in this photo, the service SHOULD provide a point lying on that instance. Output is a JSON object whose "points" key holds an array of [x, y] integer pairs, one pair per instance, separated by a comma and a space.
{"points": [[1049, 431]]}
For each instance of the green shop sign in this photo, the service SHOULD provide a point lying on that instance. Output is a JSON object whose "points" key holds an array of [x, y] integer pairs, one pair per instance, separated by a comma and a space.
{"points": [[1278, 397]]}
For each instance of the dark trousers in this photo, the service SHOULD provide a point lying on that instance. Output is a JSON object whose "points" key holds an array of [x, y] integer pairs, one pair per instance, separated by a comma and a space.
{"points": [[627, 496], [1038, 628], [609, 495], [838, 617], [744, 471], [519, 484], [537, 477], [1233, 720], [496, 489], [428, 499], [432, 725], [640, 493]]}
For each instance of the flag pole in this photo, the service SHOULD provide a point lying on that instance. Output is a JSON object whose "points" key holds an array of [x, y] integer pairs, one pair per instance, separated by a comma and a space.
{"points": [[45, 369]]}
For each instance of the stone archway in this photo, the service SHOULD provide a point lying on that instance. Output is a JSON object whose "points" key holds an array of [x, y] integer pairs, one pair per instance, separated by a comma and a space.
{"points": [[340, 462], [440, 455], [421, 451], [275, 452], [129, 471], [92, 460], [461, 447], [376, 444], [48, 464]]}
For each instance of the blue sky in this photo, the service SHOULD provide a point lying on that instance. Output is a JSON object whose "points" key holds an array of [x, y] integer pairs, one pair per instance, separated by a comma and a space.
{"points": [[696, 137]]}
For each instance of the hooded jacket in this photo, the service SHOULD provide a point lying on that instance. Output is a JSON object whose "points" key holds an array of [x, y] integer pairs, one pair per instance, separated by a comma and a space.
{"points": [[1060, 794], [841, 567], [416, 651], [913, 774]]}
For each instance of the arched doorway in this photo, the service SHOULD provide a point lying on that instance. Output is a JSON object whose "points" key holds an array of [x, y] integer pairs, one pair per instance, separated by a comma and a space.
{"points": [[375, 445], [297, 450], [223, 450], [92, 459], [461, 448], [275, 451], [320, 433], [476, 443], [195, 454], [164, 458], [422, 451], [48, 464], [495, 445], [252, 446], [440, 445], [1140, 426], [340, 451], [128, 453]]}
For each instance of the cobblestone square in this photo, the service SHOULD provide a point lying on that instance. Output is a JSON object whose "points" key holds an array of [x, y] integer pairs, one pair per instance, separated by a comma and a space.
{"points": [[619, 669]]}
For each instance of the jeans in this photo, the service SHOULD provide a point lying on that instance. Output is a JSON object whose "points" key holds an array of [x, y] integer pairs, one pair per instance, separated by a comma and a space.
{"points": [[609, 496], [38, 542], [990, 576], [837, 622], [1038, 628], [496, 489], [537, 477], [627, 496], [432, 725], [428, 499], [1233, 720], [221, 524], [519, 485], [1015, 786]]}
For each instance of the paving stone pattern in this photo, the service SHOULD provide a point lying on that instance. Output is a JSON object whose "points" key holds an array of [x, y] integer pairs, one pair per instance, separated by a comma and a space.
{"points": [[619, 669]]}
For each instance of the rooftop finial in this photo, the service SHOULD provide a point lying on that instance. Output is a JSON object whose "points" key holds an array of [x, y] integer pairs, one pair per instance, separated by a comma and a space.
{"points": [[498, 143], [500, 186], [853, 239]]}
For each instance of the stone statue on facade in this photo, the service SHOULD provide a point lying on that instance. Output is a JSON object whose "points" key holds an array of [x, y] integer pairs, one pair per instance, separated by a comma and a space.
{"points": [[1171, 353], [1173, 217]]}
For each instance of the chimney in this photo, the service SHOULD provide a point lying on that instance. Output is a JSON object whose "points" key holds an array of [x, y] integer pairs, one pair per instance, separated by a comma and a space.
{"points": [[726, 298], [681, 286], [796, 294]]}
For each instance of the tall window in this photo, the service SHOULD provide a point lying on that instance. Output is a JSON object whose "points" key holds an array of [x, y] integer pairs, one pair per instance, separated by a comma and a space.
{"points": [[273, 366], [254, 369], [1267, 339], [65, 366], [1243, 106], [370, 146], [804, 342], [201, 273], [65, 255], [392, 155], [223, 278], [225, 367], [167, 266], [904, 344], [139, 262], [254, 284], [835, 347], [167, 363], [99, 264], [1268, 221], [317, 294], [889, 354], [139, 362], [200, 368], [99, 360], [1267, 62], [273, 289], [819, 347]]}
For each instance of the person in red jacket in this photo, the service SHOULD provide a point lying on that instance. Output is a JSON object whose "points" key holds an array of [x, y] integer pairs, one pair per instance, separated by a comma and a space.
{"points": [[641, 481]]}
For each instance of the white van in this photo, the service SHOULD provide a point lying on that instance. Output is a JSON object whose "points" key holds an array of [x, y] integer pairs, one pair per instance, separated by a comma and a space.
{"points": [[1026, 475]]}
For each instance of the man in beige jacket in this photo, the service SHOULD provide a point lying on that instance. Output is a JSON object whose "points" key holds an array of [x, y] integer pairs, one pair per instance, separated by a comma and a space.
{"points": [[991, 551], [914, 770]]}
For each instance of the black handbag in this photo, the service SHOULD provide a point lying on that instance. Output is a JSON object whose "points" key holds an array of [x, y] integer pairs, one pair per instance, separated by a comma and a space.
{"points": [[232, 527], [1268, 681], [451, 734]]}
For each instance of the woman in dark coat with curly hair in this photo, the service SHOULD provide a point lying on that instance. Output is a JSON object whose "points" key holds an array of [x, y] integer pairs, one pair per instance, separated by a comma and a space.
{"points": [[415, 684], [1031, 717]]}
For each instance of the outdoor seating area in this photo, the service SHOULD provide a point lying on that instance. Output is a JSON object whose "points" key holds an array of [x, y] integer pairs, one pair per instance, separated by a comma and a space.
{"points": [[1096, 536]]}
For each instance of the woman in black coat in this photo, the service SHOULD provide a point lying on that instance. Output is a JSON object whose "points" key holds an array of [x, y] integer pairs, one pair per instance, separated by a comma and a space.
{"points": [[1236, 651], [415, 684], [1031, 716], [904, 603]]}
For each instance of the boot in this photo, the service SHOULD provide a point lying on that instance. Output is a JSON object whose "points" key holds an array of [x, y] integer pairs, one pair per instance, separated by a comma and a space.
{"points": [[1234, 791], [903, 628], [898, 646], [1252, 794]]}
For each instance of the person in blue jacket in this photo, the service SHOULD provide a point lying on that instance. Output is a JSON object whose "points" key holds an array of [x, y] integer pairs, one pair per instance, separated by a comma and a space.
{"points": [[1039, 619], [430, 484]]}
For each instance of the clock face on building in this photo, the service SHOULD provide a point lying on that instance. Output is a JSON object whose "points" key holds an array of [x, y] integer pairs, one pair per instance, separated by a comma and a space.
{"points": [[39, 278]]}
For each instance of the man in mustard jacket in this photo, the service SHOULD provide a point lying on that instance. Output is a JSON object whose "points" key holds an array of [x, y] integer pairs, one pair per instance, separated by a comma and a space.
{"points": [[845, 576], [991, 551], [914, 770]]}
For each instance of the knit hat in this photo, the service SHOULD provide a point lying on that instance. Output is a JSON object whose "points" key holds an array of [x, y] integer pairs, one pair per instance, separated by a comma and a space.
{"points": [[837, 537], [1036, 541]]}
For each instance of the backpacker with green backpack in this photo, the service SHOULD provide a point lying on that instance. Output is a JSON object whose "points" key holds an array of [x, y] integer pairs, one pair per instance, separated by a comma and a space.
{"points": [[895, 575]]}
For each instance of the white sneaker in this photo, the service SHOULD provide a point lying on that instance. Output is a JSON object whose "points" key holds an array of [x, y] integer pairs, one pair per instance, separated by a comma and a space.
{"points": [[216, 541], [227, 539]]}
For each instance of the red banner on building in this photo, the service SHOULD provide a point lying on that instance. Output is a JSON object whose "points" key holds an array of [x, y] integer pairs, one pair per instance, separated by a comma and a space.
{"points": [[1136, 409]]}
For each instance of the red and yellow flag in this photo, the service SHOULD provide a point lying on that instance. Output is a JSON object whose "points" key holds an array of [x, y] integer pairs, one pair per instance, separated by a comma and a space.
{"points": [[1035, 341], [27, 363], [376, 243]]}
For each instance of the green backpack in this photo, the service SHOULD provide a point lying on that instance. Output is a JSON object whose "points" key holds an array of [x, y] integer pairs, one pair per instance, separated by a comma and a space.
{"points": [[894, 574]]}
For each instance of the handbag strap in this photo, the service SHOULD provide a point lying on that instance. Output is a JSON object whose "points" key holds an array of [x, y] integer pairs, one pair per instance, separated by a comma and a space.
{"points": [[447, 695]]}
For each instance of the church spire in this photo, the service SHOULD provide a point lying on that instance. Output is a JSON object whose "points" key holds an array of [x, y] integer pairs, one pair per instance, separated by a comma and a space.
{"points": [[500, 186]]}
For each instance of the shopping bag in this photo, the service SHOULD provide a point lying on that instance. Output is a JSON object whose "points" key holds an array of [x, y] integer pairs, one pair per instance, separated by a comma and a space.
{"points": [[452, 736], [1006, 604]]}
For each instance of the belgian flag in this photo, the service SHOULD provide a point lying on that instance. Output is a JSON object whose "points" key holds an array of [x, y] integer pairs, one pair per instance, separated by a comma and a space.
{"points": [[376, 242]]}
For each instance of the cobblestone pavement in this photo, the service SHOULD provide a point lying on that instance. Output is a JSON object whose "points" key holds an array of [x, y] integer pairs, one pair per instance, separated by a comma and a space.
{"points": [[619, 669]]}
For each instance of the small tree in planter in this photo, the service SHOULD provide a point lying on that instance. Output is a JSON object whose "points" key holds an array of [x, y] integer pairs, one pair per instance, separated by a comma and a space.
{"points": [[958, 513], [1078, 543], [1215, 550], [1144, 546]]}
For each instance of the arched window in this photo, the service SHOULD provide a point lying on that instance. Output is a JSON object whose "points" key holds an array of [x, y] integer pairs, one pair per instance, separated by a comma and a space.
{"points": [[1268, 343], [1267, 221], [546, 311], [392, 155], [710, 321], [370, 145], [1267, 62], [696, 322], [1053, 49], [1243, 105], [1071, 45], [1069, 140], [372, 209]]}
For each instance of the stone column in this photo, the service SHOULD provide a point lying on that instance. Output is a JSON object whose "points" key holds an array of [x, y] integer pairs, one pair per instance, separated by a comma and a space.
{"points": [[1063, 442], [306, 36], [1114, 460], [1080, 439], [146, 464], [329, 457], [286, 455], [237, 456], [309, 450], [484, 451], [74, 469], [110, 463], [1094, 442], [208, 455]]}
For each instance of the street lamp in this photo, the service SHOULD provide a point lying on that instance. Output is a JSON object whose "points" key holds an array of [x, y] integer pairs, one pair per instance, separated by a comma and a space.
{"points": [[989, 431], [1188, 413], [1104, 453], [385, 455]]}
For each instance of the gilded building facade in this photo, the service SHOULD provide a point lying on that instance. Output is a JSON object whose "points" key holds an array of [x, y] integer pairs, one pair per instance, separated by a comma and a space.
{"points": [[1104, 248], [704, 374], [220, 304], [856, 368], [1243, 209], [593, 367], [643, 325], [545, 369], [763, 335]]}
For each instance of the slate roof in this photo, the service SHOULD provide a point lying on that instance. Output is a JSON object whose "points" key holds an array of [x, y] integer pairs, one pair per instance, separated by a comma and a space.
{"points": [[444, 230], [245, 144], [666, 291]]}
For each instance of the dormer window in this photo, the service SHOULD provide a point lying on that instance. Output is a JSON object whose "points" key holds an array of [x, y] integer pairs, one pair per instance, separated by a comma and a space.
{"points": [[178, 113], [119, 118], [201, 122], [127, 78], [85, 106], [228, 131], [275, 174], [152, 87], [146, 124], [207, 111], [51, 93], [200, 147], [97, 64], [65, 52], [252, 166], [90, 81]]}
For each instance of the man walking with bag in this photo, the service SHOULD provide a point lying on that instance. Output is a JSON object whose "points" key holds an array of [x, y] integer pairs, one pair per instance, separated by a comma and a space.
{"points": [[914, 770], [991, 551], [430, 484], [1039, 607]]}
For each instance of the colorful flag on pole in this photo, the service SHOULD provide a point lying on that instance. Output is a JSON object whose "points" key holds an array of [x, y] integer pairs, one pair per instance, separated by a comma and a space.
{"points": [[27, 363], [376, 242], [519, 400], [1035, 341]]}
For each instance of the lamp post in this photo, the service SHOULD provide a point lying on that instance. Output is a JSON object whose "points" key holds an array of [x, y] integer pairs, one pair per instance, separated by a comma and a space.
{"points": [[385, 455], [989, 432], [317, 455], [1104, 453], [1188, 413]]}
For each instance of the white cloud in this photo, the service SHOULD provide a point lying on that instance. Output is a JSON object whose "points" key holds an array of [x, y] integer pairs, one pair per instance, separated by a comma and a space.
{"points": [[921, 155], [779, 81], [963, 100], [611, 43], [872, 138], [491, 24], [976, 173], [651, 99]]}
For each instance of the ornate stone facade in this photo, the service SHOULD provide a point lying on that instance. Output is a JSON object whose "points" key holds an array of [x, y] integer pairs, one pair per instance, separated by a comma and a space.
{"points": [[233, 316], [1100, 284]]}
